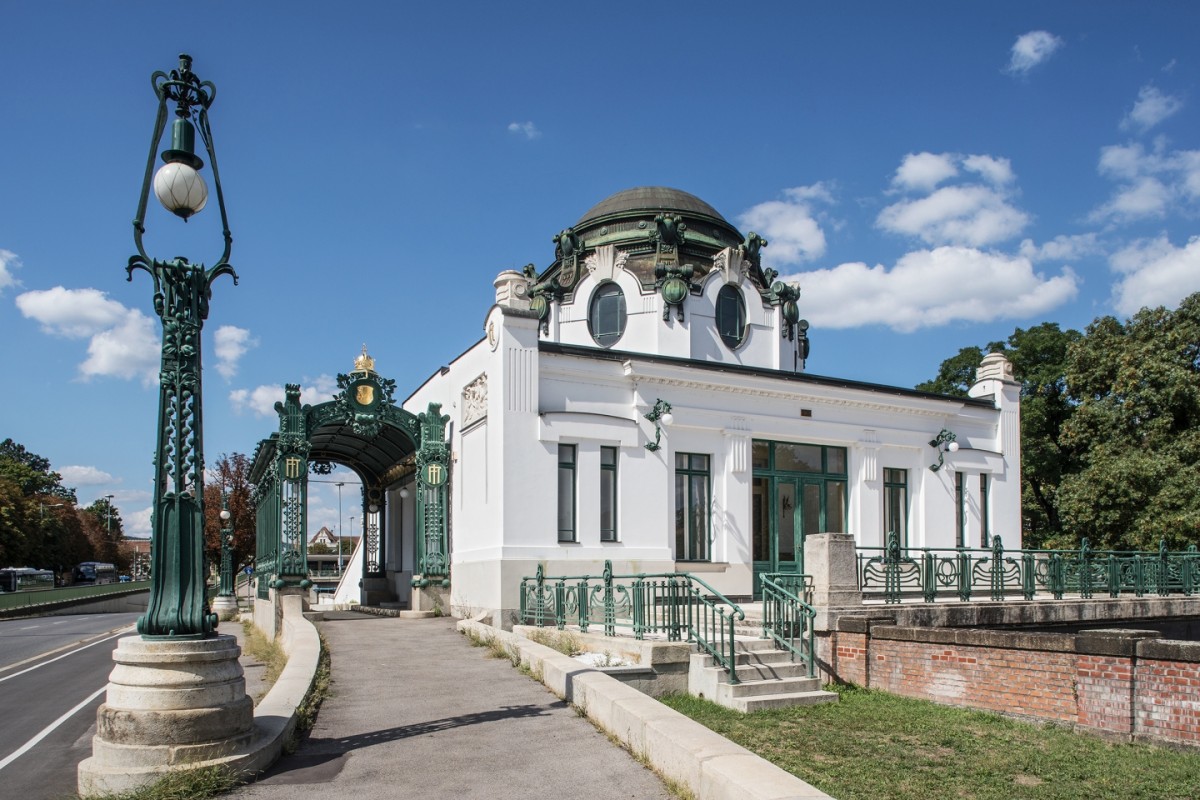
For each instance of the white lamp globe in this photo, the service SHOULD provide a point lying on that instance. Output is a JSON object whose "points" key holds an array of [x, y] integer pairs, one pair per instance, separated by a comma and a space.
{"points": [[952, 447], [225, 515], [180, 189], [668, 418]]}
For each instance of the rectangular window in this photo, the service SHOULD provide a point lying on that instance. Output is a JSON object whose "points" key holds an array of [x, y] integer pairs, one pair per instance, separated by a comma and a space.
{"points": [[986, 531], [608, 494], [960, 510], [692, 495], [895, 504], [566, 492]]}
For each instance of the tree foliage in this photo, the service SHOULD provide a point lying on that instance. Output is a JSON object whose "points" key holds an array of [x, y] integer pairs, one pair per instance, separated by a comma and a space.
{"points": [[230, 479], [1110, 427], [39, 524]]}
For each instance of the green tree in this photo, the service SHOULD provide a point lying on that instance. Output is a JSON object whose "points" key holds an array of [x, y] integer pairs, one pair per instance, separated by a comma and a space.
{"points": [[1136, 431], [105, 530], [320, 549], [1039, 359], [38, 524]]}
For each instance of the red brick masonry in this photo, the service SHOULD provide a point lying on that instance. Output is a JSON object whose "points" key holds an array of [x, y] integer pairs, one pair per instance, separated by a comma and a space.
{"points": [[1118, 683]]}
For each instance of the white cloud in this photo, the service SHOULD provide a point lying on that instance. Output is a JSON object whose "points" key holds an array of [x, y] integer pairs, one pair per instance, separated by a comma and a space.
{"points": [[124, 341], [1155, 273], [924, 171], [928, 288], [1151, 184], [8, 262], [137, 523], [129, 350], [230, 344], [84, 476], [526, 129], [1032, 49], [1061, 248], [261, 400], [1151, 108], [969, 215], [997, 171], [791, 226], [74, 313]]}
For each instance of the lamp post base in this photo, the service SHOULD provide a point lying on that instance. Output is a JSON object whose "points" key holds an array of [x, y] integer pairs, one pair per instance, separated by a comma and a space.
{"points": [[170, 705], [225, 607]]}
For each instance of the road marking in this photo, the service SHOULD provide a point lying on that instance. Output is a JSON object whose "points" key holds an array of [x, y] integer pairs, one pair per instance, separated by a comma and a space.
{"points": [[29, 627], [122, 632], [49, 729], [60, 622]]}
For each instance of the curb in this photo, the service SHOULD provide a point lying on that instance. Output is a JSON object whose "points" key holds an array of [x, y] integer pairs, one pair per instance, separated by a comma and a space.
{"points": [[674, 745]]}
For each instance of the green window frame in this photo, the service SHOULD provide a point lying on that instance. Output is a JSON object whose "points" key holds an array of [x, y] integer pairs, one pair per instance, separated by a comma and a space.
{"points": [[693, 498], [731, 316], [566, 492], [960, 509], [606, 314], [985, 535], [608, 494], [895, 504]]}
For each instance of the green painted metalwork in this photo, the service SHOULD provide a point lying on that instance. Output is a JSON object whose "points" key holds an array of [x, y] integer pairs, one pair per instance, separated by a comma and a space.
{"points": [[788, 615], [677, 604], [674, 284], [226, 581], [945, 440], [291, 464], [661, 409], [895, 573], [433, 489], [178, 607]]}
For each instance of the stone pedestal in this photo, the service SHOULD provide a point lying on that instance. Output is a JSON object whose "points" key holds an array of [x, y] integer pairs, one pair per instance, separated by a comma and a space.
{"points": [[171, 704], [431, 600], [832, 561], [225, 607]]}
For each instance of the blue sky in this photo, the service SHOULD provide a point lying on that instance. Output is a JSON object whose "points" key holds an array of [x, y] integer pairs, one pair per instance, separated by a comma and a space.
{"points": [[933, 174]]}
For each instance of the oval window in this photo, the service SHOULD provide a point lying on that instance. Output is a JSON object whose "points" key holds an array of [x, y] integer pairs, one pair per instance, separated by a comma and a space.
{"points": [[606, 315], [731, 316]]}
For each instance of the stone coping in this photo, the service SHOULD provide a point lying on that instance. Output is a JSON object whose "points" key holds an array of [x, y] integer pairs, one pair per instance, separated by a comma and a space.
{"points": [[708, 764], [1123, 642]]}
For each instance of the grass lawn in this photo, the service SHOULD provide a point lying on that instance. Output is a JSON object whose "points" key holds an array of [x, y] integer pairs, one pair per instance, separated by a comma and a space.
{"points": [[877, 746]]}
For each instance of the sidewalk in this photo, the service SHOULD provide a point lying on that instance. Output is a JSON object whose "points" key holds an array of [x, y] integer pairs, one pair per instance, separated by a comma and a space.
{"points": [[415, 709]]}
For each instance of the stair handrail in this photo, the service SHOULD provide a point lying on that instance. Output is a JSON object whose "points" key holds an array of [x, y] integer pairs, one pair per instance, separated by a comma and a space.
{"points": [[785, 615], [674, 603]]}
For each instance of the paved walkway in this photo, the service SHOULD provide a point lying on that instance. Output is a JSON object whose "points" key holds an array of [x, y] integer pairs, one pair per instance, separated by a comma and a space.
{"points": [[414, 709]]}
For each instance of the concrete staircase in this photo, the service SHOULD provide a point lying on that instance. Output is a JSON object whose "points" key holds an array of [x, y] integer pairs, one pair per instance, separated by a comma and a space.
{"points": [[768, 678]]}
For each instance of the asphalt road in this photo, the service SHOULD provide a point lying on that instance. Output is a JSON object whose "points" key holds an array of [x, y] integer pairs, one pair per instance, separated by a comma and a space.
{"points": [[53, 672]]}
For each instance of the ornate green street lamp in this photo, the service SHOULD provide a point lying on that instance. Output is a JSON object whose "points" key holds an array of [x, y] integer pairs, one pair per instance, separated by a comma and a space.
{"points": [[226, 587], [178, 608]]}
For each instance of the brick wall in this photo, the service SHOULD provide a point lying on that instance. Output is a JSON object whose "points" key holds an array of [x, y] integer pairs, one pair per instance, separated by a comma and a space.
{"points": [[1117, 683]]}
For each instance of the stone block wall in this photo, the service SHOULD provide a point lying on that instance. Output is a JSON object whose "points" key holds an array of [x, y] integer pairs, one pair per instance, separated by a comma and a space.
{"points": [[1121, 684]]}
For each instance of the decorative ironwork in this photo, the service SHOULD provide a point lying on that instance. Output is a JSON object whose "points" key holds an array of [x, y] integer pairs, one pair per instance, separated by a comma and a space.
{"points": [[679, 605], [226, 584], [177, 607], [963, 574], [660, 413], [788, 616], [943, 442], [433, 477], [566, 251]]}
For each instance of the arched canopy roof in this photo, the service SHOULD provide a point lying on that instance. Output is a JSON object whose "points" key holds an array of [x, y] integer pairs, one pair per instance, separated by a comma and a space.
{"points": [[372, 457], [650, 198]]}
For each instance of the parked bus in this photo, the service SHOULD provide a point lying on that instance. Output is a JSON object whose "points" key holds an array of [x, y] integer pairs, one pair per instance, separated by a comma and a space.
{"points": [[95, 572]]}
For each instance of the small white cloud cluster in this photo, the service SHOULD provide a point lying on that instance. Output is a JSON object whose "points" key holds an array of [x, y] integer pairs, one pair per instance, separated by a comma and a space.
{"points": [[1155, 273], [261, 400], [791, 225], [1031, 49], [526, 129], [231, 343], [1150, 184], [8, 262], [84, 476], [122, 341], [1151, 108], [974, 213]]}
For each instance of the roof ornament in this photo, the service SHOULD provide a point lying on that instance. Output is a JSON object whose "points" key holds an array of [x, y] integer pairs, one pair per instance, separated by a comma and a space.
{"points": [[567, 248], [364, 363], [752, 248]]}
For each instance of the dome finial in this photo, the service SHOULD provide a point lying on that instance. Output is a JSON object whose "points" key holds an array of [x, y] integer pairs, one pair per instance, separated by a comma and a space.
{"points": [[364, 363]]}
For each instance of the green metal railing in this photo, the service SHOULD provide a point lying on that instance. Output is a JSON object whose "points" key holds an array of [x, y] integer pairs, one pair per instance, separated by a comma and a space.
{"points": [[894, 572], [788, 616], [38, 597], [679, 605]]}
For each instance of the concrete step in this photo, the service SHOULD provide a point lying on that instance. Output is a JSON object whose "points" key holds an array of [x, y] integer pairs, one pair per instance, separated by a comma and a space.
{"points": [[765, 701], [752, 644], [773, 671], [762, 657], [756, 688]]}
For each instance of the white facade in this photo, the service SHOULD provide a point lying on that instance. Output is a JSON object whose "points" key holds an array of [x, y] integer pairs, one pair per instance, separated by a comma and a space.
{"points": [[520, 393]]}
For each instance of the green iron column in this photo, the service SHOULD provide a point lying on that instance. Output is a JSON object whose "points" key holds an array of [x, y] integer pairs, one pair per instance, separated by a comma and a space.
{"points": [[291, 567], [433, 479], [226, 585], [374, 560], [178, 607]]}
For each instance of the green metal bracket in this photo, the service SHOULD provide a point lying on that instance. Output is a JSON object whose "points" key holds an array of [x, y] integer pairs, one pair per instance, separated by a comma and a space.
{"points": [[660, 413], [944, 442]]}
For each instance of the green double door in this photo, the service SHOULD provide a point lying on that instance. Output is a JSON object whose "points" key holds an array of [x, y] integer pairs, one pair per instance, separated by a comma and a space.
{"points": [[785, 511]]}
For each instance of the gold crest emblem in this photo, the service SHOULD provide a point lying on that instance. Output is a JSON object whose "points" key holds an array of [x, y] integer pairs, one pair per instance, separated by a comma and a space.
{"points": [[365, 394]]}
